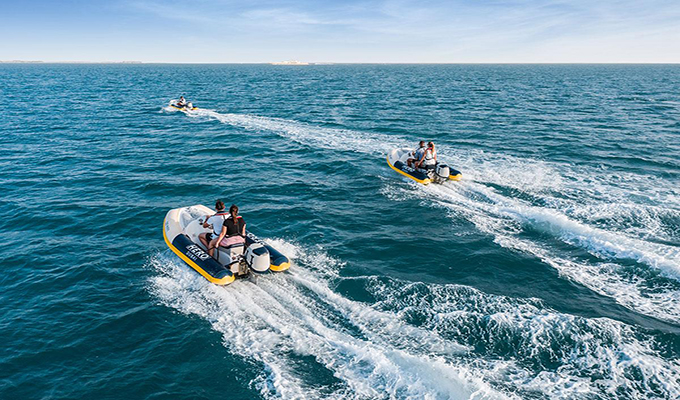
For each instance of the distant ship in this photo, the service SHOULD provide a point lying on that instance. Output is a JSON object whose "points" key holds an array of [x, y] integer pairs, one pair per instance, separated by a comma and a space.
{"points": [[292, 62]]}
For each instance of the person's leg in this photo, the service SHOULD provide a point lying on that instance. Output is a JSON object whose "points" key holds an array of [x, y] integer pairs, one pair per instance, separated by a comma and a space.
{"points": [[203, 239], [211, 246]]}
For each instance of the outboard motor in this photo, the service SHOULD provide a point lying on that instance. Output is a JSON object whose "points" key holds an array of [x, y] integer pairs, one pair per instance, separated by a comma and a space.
{"points": [[442, 172], [257, 257], [239, 267]]}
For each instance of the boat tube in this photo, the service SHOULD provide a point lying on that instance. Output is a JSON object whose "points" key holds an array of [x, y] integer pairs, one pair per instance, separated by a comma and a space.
{"points": [[181, 229], [441, 173]]}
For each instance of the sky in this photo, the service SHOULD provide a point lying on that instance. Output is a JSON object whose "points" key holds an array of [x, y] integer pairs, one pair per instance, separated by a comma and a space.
{"points": [[373, 31]]}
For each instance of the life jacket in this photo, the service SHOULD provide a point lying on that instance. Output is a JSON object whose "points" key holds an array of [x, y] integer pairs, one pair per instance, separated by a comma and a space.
{"points": [[239, 226]]}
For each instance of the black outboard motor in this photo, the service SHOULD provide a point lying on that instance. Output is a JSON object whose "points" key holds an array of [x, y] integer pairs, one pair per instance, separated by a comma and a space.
{"points": [[441, 173]]}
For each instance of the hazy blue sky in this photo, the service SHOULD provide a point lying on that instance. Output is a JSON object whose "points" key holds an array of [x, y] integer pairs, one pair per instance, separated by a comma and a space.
{"points": [[341, 31]]}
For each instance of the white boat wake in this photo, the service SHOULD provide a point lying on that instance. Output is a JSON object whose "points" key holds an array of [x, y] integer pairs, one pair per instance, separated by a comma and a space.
{"points": [[469, 345], [278, 320]]}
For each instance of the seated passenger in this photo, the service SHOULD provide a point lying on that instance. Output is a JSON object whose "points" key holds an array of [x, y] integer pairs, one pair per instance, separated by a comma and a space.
{"points": [[215, 222], [429, 159], [417, 154], [181, 102], [233, 231]]}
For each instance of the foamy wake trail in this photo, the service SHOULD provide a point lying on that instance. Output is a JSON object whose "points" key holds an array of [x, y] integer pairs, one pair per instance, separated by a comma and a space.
{"points": [[532, 350], [278, 320], [598, 241], [376, 351], [307, 134], [506, 217], [640, 205]]}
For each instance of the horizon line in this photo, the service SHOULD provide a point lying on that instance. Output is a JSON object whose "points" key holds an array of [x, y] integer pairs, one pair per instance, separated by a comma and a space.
{"points": [[319, 63]]}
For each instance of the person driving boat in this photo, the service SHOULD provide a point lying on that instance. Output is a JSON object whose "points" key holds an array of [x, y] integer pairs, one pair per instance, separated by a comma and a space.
{"points": [[417, 154], [182, 101], [215, 222]]}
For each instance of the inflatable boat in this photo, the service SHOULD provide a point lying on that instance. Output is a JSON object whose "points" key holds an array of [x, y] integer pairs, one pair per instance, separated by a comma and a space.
{"points": [[441, 173], [181, 229], [187, 107]]}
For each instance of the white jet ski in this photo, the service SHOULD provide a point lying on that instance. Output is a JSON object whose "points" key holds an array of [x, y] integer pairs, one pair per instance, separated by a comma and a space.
{"points": [[181, 229], [441, 173]]}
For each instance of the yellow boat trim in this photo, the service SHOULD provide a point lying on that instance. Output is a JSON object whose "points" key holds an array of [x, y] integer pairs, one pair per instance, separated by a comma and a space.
{"points": [[183, 108], [423, 181], [455, 177], [224, 281], [279, 268]]}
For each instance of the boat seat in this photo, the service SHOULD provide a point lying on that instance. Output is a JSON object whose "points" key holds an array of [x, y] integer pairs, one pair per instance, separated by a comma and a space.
{"points": [[225, 255], [231, 246]]}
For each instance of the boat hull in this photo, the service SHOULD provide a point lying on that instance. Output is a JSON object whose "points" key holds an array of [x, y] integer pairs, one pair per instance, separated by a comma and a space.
{"points": [[397, 160], [181, 229], [183, 108]]}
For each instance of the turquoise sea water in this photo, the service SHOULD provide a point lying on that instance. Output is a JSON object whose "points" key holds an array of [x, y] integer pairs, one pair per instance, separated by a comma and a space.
{"points": [[552, 270]]}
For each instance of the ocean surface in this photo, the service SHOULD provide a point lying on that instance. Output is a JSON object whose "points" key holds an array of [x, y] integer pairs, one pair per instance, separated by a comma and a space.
{"points": [[550, 271]]}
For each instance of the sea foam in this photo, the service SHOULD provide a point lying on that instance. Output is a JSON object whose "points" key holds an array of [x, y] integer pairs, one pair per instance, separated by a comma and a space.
{"points": [[466, 345]]}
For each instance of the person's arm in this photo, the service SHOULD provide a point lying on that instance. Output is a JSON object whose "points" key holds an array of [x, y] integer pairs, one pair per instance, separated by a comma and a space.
{"points": [[243, 231], [219, 238], [205, 223]]}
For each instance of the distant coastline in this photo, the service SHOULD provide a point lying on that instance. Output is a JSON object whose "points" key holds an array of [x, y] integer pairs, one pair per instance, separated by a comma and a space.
{"points": [[291, 62], [66, 62]]}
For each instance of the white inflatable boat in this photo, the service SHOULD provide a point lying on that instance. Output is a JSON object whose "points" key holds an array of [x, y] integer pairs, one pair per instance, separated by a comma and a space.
{"points": [[185, 107], [441, 173], [181, 229]]}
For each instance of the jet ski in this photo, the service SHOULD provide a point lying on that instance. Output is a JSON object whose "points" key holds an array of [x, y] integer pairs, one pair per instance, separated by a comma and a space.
{"points": [[441, 173], [185, 107], [181, 229]]}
